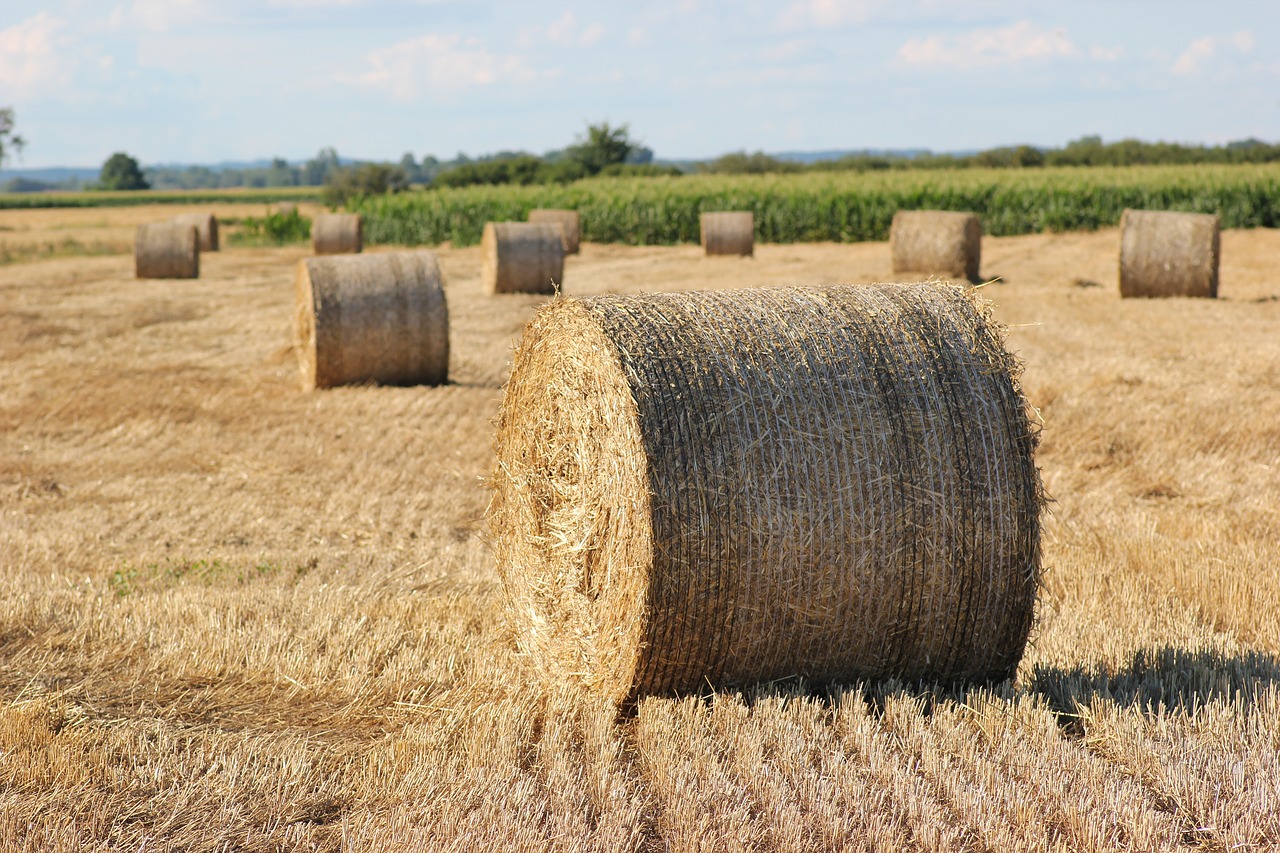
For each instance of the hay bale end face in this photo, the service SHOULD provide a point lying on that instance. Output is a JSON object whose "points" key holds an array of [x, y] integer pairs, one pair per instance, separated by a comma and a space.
{"points": [[522, 257], [206, 225], [728, 233], [337, 234], [166, 250], [372, 318], [1164, 253], [936, 242], [725, 488], [568, 220]]}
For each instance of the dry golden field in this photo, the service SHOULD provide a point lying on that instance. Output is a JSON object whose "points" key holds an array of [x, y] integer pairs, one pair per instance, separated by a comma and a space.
{"points": [[234, 616]]}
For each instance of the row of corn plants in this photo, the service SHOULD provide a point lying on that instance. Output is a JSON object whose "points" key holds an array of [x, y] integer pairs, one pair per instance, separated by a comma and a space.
{"points": [[840, 207]]}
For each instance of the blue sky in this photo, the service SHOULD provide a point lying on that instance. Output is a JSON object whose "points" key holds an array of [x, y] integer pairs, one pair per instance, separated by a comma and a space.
{"points": [[202, 81]]}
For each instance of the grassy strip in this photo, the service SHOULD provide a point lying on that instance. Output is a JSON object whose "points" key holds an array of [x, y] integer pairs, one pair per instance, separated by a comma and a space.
{"points": [[254, 195], [68, 248], [840, 207]]}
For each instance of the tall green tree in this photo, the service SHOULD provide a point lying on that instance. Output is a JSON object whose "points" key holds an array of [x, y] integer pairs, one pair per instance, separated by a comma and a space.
{"points": [[601, 146], [121, 172], [9, 141]]}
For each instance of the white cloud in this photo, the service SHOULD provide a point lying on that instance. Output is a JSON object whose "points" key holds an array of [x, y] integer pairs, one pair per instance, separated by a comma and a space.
{"points": [[29, 59], [830, 13], [1106, 54], [439, 66], [1009, 45], [561, 30], [164, 15], [1204, 49]]}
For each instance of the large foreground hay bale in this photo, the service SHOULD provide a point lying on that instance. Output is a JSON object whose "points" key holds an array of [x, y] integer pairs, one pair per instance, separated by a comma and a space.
{"points": [[1163, 253], [936, 242], [166, 250], [372, 318], [337, 234], [721, 488], [206, 225], [728, 233], [522, 257], [568, 220]]}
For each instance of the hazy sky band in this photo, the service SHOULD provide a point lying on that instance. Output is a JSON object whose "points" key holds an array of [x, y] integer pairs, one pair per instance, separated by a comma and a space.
{"points": [[211, 80]]}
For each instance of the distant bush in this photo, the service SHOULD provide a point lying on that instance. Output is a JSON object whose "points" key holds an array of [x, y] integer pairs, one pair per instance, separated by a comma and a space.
{"points": [[275, 229], [639, 170], [367, 179], [742, 163]]}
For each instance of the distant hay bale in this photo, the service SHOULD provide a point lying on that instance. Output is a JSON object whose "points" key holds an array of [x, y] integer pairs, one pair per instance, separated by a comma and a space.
{"points": [[522, 257], [1163, 253], [284, 208], [723, 488], [337, 234], [936, 242], [567, 220], [206, 225], [728, 233], [372, 318], [166, 250]]}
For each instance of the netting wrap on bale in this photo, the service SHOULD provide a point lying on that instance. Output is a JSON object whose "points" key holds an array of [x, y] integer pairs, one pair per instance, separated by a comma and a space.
{"points": [[936, 242], [522, 257], [372, 318], [728, 232], [166, 250], [568, 220], [1165, 253], [337, 234], [723, 488], [206, 225]]}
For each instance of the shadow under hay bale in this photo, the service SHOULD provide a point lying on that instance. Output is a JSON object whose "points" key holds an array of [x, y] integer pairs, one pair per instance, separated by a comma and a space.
{"points": [[166, 250], [372, 318], [728, 232], [522, 257], [936, 242], [568, 220], [206, 225], [337, 234], [1164, 253], [717, 489]]}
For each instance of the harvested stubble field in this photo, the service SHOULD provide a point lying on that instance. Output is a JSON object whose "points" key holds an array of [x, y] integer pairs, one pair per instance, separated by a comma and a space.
{"points": [[236, 616]]}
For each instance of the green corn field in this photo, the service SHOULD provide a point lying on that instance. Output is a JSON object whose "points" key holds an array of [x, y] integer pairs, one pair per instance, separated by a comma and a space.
{"points": [[835, 206]]}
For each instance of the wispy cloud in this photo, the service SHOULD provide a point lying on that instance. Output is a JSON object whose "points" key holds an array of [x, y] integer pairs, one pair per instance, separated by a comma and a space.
{"points": [[1202, 50], [439, 67], [165, 15], [830, 13], [29, 55], [1020, 42]]}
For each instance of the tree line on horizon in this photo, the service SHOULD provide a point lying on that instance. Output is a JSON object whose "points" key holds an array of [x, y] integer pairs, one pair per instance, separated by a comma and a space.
{"points": [[605, 150]]}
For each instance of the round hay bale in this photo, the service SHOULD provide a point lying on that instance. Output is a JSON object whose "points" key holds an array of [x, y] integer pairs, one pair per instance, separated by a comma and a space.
{"points": [[337, 234], [206, 225], [938, 242], [166, 250], [723, 488], [728, 233], [522, 257], [284, 208], [373, 318], [1163, 253], [568, 220]]}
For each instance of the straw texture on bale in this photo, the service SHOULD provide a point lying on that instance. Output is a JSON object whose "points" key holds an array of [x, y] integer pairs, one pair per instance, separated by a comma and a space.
{"points": [[936, 242], [337, 234], [372, 318], [166, 250], [567, 220], [1163, 253], [522, 257], [206, 225], [728, 233], [698, 490]]}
